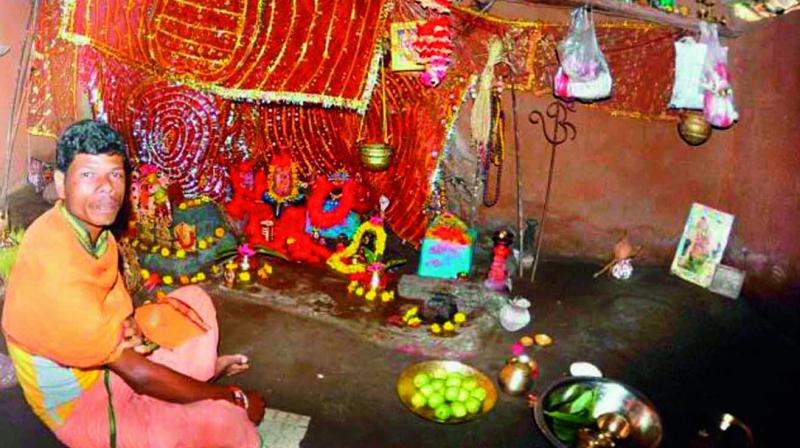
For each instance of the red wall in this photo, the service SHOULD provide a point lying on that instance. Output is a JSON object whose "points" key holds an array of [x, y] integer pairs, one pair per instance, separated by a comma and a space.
{"points": [[761, 183], [638, 175]]}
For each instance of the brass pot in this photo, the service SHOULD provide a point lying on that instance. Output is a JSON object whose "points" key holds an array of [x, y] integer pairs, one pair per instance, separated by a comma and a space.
{"points": [[693, 128], [376, 156], [516, 377]]}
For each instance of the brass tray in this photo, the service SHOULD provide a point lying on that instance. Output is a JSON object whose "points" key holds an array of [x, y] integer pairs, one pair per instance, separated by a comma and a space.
{"points": [[406, 389]]}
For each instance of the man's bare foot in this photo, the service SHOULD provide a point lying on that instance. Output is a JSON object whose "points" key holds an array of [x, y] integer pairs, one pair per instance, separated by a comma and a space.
{"points": [[228, 365]]}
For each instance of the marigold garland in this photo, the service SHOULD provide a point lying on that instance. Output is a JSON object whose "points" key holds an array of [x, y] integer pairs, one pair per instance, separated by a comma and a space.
{"points": [[336, 261]]}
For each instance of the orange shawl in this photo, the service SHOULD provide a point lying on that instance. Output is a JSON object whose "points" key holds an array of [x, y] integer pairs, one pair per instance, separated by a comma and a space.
{"points": [[61, 302]]}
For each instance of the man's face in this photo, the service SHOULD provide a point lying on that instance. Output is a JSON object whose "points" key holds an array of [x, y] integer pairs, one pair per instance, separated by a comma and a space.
{"points": [[93, 189]]}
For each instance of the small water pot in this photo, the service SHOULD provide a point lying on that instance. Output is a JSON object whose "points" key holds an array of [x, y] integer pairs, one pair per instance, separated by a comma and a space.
{"points": [[516, 377], [514, 315]]}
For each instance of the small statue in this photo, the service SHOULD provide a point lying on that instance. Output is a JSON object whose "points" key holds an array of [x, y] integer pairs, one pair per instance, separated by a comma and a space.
{"points": [[163, 236], [146, 227], [230, 275], [185, 236], [498, 273]]}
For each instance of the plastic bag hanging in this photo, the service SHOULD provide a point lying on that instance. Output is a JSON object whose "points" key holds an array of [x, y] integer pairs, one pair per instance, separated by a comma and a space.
{"points": [[687, 90], [718, 106], [583, 71]]}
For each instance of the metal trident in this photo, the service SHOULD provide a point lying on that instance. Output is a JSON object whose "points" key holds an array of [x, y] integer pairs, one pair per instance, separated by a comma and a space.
{"points": [[562, 130]]}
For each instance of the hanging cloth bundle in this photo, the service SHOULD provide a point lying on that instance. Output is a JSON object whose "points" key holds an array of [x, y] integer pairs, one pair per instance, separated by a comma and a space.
{"points": [[486, 118]]}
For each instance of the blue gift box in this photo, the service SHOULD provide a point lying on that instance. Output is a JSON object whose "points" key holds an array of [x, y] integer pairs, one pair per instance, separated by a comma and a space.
{"points": [[445, 259]]}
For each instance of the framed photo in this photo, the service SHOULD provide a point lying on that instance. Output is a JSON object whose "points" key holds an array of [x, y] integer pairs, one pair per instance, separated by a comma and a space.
{"points": [[700, 250], [404, 55]]}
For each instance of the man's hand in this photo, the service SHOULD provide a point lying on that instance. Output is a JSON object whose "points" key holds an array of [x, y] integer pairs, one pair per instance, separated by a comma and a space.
{"points": [[133, 338], [255, 408]]}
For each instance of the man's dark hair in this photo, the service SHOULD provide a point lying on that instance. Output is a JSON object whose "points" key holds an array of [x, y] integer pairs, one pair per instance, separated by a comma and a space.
{"points": [[88, 137]]}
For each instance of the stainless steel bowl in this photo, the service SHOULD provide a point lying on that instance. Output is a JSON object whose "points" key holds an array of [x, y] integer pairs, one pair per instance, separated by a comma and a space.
{"points": [[613, 396]]}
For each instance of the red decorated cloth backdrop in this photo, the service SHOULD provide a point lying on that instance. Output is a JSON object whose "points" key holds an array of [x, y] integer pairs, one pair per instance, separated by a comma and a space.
{"points": [[194, 136], [53, 99], [317, 51]]}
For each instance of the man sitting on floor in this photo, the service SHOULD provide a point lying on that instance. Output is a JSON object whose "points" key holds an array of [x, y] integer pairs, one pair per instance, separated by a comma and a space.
{"points": [[67, 321]]}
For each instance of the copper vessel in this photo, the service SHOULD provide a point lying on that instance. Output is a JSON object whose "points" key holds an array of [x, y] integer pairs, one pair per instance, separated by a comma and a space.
{"points": [[517, 376], [693, 128]]}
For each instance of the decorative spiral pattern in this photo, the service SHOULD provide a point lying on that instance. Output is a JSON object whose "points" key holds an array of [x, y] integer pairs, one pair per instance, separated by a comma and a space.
{"points": [[176, 128]]}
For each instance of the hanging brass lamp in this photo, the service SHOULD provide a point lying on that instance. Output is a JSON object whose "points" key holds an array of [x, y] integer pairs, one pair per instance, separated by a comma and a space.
{"points": [[377, 156]]}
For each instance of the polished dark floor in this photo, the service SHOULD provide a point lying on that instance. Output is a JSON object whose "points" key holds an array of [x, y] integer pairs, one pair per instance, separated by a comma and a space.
{"points": [[691, 352]]}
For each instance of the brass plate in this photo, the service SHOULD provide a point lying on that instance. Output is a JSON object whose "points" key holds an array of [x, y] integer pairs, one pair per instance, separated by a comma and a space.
{"points": [[406, 389]]}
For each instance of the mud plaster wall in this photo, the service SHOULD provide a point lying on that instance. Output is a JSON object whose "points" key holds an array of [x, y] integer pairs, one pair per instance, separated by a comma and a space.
{"points": [[13, 22], [622, 173]]}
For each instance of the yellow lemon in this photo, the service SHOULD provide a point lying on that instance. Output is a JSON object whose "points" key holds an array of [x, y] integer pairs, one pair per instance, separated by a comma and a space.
{"points": [[244, 276], [435, 329], [370, 294], [448, 326], [167, 279], [460, 318]]}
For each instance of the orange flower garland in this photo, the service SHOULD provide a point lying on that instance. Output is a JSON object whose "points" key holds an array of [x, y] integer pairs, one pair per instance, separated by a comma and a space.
{"points": [[336, 261]]}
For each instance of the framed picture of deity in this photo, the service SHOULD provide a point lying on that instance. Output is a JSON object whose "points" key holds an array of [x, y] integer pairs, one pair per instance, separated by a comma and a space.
{"points": [[404, 55], [700, 249]]}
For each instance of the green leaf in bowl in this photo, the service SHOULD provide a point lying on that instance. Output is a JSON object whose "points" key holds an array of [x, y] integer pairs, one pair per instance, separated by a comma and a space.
{"points": [[584, 401], [578, 419], [565, 395], [566, 432]]}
